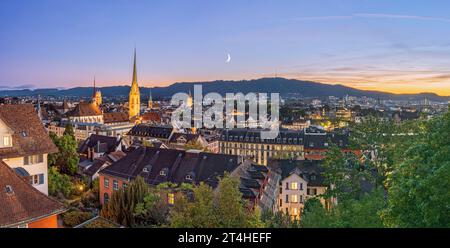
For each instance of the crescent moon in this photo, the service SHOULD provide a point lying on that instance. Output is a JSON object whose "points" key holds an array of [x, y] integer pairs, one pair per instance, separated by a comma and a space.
{"points": [[228, 58]]}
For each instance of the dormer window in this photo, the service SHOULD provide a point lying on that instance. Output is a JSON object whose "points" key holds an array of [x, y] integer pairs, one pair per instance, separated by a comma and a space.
{"points": [[9, 189], [147, 169], [164, 172], [188, 177]]}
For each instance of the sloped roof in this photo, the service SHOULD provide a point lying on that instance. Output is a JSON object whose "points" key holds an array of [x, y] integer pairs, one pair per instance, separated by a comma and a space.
{"points": [[24, 203], [115, 117], [100, 143], [202, 166], [187, 136], [151, 117], [144, 130], [305, 168], [29, 135], [85, 109]]}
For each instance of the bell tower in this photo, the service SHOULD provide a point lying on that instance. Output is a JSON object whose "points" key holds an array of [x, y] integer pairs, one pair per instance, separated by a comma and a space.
{"points": [[134, 99]]}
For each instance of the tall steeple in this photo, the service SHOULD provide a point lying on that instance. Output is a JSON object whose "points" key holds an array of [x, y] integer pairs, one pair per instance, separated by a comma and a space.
{"points": [[150, 100], [95, 90], [97, 95], [134, 82], [134, 99]]}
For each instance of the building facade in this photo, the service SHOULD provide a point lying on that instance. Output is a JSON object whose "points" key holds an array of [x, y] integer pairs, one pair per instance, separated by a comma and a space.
{"points": [[247, 142], [25, 144]]}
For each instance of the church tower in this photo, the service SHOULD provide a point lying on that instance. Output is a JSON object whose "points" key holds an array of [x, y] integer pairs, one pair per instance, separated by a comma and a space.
{"points": [[97, 96], [150, 100], [134, 99]]}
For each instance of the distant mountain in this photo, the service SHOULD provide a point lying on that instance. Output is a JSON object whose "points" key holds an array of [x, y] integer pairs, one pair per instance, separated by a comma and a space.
{"points": [[286, 87]]}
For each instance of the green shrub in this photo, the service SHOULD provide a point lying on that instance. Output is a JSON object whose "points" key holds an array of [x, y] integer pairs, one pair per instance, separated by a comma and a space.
{"points": [[74, 218]]}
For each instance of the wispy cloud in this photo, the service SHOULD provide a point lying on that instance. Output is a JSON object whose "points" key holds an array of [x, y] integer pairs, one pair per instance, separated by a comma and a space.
{"points": [[394, 16], [371, 15]]}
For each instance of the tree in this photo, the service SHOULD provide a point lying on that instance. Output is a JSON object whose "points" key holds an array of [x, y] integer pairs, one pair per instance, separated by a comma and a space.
{"points": [[69, 130], [153, 211], [419, 193], [345, 173], [67, 158], [198, 213], [59, 183], [210, 208], [278, 219], [352, 213], [315, 215], [122, 204]]}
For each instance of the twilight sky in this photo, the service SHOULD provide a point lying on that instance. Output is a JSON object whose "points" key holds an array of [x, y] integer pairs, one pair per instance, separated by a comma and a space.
{"points": [[397, 46]]}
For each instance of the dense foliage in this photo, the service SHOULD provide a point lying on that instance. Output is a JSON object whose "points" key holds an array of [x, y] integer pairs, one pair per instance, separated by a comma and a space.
{"points": [[67, 158], [401, 179]]}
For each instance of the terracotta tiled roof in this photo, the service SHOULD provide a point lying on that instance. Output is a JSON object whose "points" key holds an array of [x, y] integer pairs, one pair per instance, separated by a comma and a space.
{"points": [[151, 117], [23, 203], [85, 109], [29, 135], [115, 117]]}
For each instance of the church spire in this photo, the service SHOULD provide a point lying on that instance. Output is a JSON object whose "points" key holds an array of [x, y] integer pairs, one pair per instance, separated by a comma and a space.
{"points": [[134, 69], [95, 90], [134, 99]]}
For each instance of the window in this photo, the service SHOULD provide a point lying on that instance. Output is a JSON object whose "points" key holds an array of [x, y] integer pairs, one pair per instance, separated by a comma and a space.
{"points": [[294, 198], [6, 141], [294, 211], [287, 185], [313, 177], [281, 202], [37, 179], [301, 199], [294, 185], [124, 185], [189, 177], [34, 159], [171, 198], [301, 186], [105, 198], [106, 183], [163, 172], [115, 185], [287, 198]]}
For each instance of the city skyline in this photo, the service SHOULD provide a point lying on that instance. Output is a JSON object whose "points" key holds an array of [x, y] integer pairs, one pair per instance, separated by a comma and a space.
{"points": [[392, 47]]}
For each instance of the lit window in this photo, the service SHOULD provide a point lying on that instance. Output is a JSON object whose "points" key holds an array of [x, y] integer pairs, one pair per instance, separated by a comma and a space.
{"points": [[6, 141], [294, 198], [171, 198], [294, 211], [106, 183], [294, 185], [115, 185]]}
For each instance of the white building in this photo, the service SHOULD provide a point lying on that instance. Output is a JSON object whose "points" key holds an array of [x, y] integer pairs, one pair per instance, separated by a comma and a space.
{"points": [[24, 144]]}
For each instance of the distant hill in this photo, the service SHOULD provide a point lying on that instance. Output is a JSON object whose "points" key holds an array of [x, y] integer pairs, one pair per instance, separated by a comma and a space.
{"points": [[283, 86]]}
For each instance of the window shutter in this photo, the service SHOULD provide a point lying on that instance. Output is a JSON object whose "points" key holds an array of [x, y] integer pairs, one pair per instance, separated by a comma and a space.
{"points": [[41, 158], [41, 178]]}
